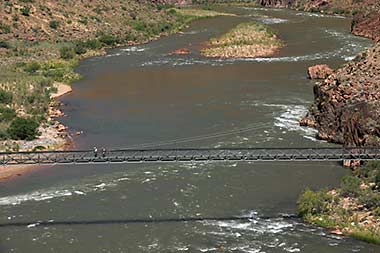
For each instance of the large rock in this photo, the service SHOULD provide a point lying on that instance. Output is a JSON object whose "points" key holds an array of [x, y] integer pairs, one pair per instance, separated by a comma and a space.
{"points": [[319, 71]]}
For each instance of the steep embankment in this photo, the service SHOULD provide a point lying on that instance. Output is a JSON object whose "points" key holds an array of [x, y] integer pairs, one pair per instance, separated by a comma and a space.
{"points": [[347, 102], [346, 107]]}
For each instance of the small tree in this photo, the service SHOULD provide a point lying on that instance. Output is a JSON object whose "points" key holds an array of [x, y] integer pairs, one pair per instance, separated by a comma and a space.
{"points": [[23, 129]]}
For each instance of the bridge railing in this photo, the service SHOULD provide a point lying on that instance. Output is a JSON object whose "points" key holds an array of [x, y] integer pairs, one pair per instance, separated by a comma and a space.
{"points": [[173, 155]]}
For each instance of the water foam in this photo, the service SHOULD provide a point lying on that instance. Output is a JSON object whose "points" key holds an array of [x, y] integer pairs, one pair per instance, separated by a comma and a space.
{"points": [[270, 21]]}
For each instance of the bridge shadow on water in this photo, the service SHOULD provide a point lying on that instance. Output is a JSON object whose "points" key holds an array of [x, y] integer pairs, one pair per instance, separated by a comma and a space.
{"points": [[140, 221]]}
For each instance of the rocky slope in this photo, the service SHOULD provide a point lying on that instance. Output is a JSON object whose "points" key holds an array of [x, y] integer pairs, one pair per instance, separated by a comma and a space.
{"points": [[347, 103], [67, 20], [346, 108]]}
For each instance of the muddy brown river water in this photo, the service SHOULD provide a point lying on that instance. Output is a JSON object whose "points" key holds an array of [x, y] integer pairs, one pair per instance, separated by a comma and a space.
{"points": [[142, 94]]}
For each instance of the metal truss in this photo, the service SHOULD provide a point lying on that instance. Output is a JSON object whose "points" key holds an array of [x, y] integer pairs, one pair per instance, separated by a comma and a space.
{"points": [[189, 155]]}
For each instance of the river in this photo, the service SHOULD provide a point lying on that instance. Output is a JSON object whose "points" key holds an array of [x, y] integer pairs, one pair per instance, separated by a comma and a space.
{"points": [[142, 94]]}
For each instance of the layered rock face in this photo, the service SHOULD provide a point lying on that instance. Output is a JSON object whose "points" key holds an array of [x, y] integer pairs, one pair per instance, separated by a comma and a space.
{"points": [[367, 25], [346, 108], [319, 71]]}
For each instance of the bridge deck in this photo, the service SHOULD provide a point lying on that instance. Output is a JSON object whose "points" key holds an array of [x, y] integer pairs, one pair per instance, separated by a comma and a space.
{"points": [[189, 155]]}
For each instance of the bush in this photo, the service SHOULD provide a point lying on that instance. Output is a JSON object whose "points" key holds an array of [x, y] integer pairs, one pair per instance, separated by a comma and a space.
{"points": [[54, 24], [5, 97], [370, 199], [312, 203], [23, 129], [5, 28], [80, 48], [93, 44], [3, 134], [7, 114], [4, 44], [67, 53], [108, 40], [350, 186], [32, 67], [25, 10]]}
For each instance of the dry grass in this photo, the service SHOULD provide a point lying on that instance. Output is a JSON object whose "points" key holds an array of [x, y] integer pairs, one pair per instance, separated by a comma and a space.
{"points": [[200, 13], [246, 40]]}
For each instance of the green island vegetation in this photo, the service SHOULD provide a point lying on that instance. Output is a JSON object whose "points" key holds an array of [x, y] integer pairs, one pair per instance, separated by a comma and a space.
{"points": [[249, 39], [40, 45], [353, 209]]}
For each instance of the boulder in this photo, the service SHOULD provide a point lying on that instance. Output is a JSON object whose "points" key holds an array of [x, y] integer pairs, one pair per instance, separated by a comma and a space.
{"points": [[181, 51], [319, 71]]}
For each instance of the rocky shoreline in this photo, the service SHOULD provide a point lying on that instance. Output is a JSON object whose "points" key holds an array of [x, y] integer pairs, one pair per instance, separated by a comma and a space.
{"points": [[346, 110]]}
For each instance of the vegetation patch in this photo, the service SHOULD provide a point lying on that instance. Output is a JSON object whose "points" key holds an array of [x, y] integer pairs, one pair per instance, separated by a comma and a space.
{"points": [[199, 13], [246, 40], [42, 42], [353, 209]]}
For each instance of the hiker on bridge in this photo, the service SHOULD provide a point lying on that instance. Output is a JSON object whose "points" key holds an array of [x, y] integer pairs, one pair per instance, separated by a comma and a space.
{"points": [[103, 152], [95, 151]]}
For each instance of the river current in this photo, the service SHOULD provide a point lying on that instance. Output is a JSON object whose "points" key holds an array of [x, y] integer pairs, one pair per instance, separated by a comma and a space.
{"points": [[143, 94]]}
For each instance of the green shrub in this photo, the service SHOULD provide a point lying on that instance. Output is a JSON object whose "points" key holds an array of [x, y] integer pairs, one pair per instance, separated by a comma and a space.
{"points": [[32, 67], [93, 44], [23, 129], [350, 186], [5, 28], [370, 199], [4, 44], [67, 53], [312, 203], [172, 12], [139, 26], [108, 40], [25, 10], [80, 48], [7, 114], [6, 97], [3, 134], [54, 24]]}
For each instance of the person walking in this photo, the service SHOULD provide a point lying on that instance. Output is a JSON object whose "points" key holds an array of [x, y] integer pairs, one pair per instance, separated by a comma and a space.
{"points": [[95, 151]]}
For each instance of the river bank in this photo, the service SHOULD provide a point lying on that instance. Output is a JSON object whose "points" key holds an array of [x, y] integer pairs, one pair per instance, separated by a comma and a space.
{"points": [[36, 79], [346, 111], [39, 78]]}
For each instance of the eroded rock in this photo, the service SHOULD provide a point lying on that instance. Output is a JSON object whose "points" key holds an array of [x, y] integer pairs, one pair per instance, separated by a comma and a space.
{"points": [[319, 71]]}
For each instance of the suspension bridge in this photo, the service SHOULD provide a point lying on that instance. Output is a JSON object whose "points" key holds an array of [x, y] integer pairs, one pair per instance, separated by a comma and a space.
{"points": [[155, 155]]}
